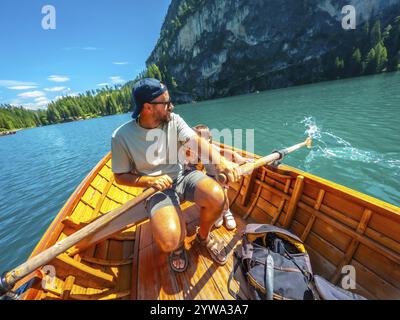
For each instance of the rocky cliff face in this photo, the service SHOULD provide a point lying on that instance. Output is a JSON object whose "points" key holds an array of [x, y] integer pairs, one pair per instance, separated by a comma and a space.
{"points": [[215, 48]]}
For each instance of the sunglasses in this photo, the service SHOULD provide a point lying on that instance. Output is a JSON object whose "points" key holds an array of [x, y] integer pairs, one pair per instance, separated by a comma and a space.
{"points": [[167, 104]]}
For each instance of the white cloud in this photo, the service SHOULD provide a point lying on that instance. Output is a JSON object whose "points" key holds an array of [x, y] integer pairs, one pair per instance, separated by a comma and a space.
{"points": [[56, 78], [90, 48], [41, 99], [103, 84], [16, 102], [15, 83], [31, 94], [121, 63], [117, 80], [87, 48], [22, 87], [55, 89], [40, 103]]}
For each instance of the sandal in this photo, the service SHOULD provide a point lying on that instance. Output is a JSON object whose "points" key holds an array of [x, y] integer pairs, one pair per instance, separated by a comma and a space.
{"points": [[216, 249], [179, 254]]}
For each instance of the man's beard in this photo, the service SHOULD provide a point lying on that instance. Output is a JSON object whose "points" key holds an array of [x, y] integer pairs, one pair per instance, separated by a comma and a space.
{"points": [[166, 118]]}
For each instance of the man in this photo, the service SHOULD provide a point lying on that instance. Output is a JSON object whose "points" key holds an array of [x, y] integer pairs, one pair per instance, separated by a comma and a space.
{"points": [[142, 161]]}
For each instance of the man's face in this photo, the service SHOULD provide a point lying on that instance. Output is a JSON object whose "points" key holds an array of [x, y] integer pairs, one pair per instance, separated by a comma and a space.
{"points": [[162, 111]]}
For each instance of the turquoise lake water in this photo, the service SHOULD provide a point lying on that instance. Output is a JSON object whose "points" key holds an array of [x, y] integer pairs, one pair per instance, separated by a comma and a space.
{"points": [[355, 124]]}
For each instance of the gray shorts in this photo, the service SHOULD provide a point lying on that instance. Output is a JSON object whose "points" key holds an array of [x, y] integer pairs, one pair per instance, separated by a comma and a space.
{"points": [[182, 190]]}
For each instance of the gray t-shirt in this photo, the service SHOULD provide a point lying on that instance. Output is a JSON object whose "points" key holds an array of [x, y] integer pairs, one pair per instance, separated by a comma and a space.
{"points": [[150, 152]]}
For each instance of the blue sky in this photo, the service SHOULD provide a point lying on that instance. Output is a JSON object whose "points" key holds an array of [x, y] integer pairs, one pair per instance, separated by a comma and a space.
{"points": [[95, 43]]}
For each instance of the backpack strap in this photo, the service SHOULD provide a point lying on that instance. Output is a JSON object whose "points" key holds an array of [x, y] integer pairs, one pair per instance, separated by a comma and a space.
{"points": [[269, 278], [238, 264]]}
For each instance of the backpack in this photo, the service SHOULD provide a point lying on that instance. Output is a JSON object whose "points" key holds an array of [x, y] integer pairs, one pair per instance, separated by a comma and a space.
{"points": [[274, 264]]}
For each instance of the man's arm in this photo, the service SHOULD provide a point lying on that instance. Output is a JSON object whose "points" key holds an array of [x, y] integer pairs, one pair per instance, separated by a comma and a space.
{"points": [[208, 154], [134, 180], [230, 154]]}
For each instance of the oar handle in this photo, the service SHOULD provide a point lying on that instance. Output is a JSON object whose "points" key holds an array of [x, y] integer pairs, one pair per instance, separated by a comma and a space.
{"points": [[8, 279], [278, 155]]}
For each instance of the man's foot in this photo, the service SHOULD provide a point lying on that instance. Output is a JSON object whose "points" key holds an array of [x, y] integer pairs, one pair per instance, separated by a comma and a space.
{"points": [[230, 222], [219, 222], [216, 249], [178, 259]]}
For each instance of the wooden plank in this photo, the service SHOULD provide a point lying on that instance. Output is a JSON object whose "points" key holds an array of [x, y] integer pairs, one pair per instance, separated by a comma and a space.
{"points": [[69, 283], [326, 249], [298, 189], [114, 251], [308, 228], [102, 250], [108, 263], [297, 228], [278, 212], [353, 245], [332, 235], [169, 289], [112, 295], [254, 202], [261, 216], [267, 207], [196, 283], [379, 264], [320, 264], [389, 227], [375, 284], [146, 235], [135, 264], [128, 249], [320, 199], [372, 244], [249, 188], [236, 195], [274, 198], [365, 201], [302, 216], [311, 190], [101, 277], [148, 281]]}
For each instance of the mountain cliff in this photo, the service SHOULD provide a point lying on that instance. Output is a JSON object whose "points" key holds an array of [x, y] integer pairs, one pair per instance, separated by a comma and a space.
{"points": [[214, 48]]}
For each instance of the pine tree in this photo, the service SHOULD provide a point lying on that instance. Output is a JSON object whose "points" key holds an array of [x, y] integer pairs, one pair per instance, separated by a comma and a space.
{"points": [[376, 35]]}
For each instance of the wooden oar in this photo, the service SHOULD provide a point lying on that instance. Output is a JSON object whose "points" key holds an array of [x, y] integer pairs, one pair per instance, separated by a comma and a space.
{"points": [[8, 280], [248, 168]]}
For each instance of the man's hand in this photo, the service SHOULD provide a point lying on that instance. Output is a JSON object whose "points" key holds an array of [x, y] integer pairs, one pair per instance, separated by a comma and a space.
{"points": [[161, 183], [241, 160], [229, 169]]}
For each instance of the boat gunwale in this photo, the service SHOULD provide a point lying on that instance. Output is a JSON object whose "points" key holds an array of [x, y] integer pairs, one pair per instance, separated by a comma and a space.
{"points": [[55, 228], [377, 205]]}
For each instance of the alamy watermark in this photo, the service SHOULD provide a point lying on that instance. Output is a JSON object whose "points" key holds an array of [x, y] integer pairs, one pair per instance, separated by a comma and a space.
{"points": [[49, 277], [349, 21], [349, 277], [165, 148], [49, 20]]}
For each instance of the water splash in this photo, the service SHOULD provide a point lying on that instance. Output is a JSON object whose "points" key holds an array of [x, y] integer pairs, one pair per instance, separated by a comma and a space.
{"points": [[327, 145]]}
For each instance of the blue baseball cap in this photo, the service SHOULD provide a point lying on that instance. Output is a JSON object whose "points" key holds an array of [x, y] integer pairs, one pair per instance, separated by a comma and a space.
{"points": [[146, 90]]}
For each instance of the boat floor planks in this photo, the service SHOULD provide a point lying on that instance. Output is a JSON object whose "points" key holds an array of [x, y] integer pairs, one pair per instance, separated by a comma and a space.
{"points": [[202, 280], [339, 226]]}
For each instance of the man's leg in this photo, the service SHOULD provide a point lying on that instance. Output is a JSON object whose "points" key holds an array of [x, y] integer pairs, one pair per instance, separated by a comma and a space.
{"points": [[210, 197], [167, 223], [168, 228]]}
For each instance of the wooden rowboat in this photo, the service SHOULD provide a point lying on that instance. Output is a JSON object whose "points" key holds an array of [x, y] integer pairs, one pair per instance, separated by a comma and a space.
{"points": [[338, 225]]}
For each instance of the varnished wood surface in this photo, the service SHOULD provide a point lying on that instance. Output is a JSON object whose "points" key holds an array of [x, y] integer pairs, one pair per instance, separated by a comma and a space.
{"points": [[339, 226], [203, 279]]}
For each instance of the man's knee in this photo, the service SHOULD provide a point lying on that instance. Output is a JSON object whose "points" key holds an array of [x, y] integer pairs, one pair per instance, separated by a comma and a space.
{"points": [[170, 243], [210, 194], [168, 230]]}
